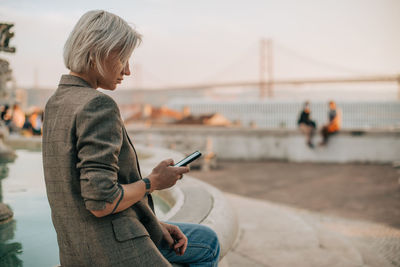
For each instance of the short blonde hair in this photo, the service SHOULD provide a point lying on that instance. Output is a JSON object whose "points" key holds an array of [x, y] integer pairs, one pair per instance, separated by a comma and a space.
{"points": [[96, 34]]}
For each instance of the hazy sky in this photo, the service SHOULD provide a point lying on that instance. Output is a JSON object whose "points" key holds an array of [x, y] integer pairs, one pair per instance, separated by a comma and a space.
{"points": [[187, 41]]}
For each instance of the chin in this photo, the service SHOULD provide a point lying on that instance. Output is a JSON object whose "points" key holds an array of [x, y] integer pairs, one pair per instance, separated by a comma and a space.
{"points": [[110, 87]]}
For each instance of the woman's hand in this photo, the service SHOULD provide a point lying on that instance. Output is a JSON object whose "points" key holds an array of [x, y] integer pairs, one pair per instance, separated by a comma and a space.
{"points": [[165, 175], [175, 238]]}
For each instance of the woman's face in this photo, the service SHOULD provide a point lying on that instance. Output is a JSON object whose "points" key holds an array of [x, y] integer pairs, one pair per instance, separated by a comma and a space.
{"points": [[114, 72]]}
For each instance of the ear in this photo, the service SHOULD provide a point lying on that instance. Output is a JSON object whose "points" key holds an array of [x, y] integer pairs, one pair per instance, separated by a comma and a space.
{"points": [[92, 63]]}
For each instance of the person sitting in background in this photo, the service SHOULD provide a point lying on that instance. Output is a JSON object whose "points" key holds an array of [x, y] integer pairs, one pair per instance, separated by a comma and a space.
{"points": [[36, 121], [6, 115], [306, 125], [27, 129], [17, 119], [333, 125], [3, 112]]}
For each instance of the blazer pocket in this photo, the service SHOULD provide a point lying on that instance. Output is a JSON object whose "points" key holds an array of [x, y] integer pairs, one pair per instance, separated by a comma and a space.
{"points": [[126, 228]]}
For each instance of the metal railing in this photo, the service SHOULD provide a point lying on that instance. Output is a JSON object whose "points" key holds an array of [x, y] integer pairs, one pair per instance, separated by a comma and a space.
{"points": [[285, 114]]}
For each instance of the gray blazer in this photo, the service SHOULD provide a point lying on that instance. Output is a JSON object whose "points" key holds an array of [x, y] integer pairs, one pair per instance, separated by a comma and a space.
{"points": [[86, 152]]}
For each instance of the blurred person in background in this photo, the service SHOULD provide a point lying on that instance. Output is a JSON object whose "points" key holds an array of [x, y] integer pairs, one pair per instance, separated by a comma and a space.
{"points": [[306, 125], [35, 120], [27, 129], [15, 119], [101, 206], [4, 110], [334, 124], [6, 116]]}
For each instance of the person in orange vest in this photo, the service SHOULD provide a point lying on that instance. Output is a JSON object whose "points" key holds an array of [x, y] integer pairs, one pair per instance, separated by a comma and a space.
{"points": [[334, 124], [35, 120]]}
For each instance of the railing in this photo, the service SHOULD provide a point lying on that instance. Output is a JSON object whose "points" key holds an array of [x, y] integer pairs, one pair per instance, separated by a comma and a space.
{"points": [[285, 114]]}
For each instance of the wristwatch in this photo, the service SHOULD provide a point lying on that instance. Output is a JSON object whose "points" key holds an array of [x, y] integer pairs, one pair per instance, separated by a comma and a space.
{"points": [[148, 185]]}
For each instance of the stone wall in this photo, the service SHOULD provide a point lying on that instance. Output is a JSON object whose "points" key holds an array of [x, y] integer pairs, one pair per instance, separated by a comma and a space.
{"points": [[378, 146]]}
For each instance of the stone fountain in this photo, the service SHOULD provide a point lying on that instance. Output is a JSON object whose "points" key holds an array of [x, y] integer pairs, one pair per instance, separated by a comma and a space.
{"points": [[7, 97]]}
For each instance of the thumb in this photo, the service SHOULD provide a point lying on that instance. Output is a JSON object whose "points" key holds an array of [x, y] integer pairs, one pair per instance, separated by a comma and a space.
{"points": [[169, 162]]}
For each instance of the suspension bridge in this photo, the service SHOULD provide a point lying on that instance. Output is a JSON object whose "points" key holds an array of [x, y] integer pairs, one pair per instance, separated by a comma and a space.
{"points": [[265, 62]]}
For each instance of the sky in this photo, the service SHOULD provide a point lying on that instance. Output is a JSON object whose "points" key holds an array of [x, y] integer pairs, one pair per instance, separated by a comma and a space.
{"points": [[192, 42]]}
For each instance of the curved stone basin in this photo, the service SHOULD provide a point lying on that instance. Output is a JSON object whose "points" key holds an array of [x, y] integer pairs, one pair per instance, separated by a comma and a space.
{"points": [[29, 237], [33, 234]]}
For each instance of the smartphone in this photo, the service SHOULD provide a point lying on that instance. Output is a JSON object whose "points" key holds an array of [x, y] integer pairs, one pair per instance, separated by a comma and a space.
{"points": [[188, 159]]}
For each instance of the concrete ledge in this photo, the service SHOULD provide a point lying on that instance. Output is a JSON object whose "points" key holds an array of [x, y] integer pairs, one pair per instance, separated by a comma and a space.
{"points": [[351, 145], [33, 143]]}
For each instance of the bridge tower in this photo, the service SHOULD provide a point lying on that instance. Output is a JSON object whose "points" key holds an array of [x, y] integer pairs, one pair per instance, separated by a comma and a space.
{"points": [[266, 68]]}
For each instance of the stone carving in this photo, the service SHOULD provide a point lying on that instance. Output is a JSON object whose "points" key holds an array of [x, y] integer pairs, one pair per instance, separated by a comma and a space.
{"points": [[7, 97], [7, 83], [5, 36]]}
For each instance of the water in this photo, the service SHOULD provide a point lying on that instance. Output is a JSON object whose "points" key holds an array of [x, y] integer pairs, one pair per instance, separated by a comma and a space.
{"points": [[30, 238], [24, 191]]}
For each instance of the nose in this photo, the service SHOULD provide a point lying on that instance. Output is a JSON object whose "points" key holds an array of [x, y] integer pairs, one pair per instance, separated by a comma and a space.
{"points": [[126, 70]]}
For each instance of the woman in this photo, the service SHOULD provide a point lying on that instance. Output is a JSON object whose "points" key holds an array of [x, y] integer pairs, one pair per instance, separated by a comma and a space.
{"points": [[101, 207]]}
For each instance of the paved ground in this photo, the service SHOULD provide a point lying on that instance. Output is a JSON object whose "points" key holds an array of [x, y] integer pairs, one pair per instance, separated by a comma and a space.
{"points": [[312, 214], [355, 191], [274, 235]]}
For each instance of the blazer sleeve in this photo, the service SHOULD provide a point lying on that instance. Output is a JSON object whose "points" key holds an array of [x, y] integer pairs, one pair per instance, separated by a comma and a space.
{"points": [[98, 143]]}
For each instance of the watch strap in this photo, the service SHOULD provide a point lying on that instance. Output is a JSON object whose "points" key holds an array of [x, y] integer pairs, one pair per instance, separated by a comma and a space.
{"points": [[148, 185]]}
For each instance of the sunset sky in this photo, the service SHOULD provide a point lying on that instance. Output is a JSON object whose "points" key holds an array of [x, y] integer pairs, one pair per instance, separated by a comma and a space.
{"points": [[188, 42]]}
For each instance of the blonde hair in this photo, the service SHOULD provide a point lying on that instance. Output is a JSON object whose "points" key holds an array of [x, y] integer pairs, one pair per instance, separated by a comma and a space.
{"points": [[94, 36]]}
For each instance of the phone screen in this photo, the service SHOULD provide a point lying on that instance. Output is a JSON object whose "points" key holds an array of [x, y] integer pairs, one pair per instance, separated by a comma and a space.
{"points": [[195, 155]]}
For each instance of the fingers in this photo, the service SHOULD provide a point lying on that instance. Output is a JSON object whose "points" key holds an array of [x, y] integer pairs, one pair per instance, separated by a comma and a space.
{"points": [[168, 162], [180, 246], [180, 240], [181, 170], [175, 238], [165, 175], [168, 237], [169, 240], [183, 249]]}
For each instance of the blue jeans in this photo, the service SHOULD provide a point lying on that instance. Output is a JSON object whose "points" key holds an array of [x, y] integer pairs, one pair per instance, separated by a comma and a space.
{"points": [[202, 249]]}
